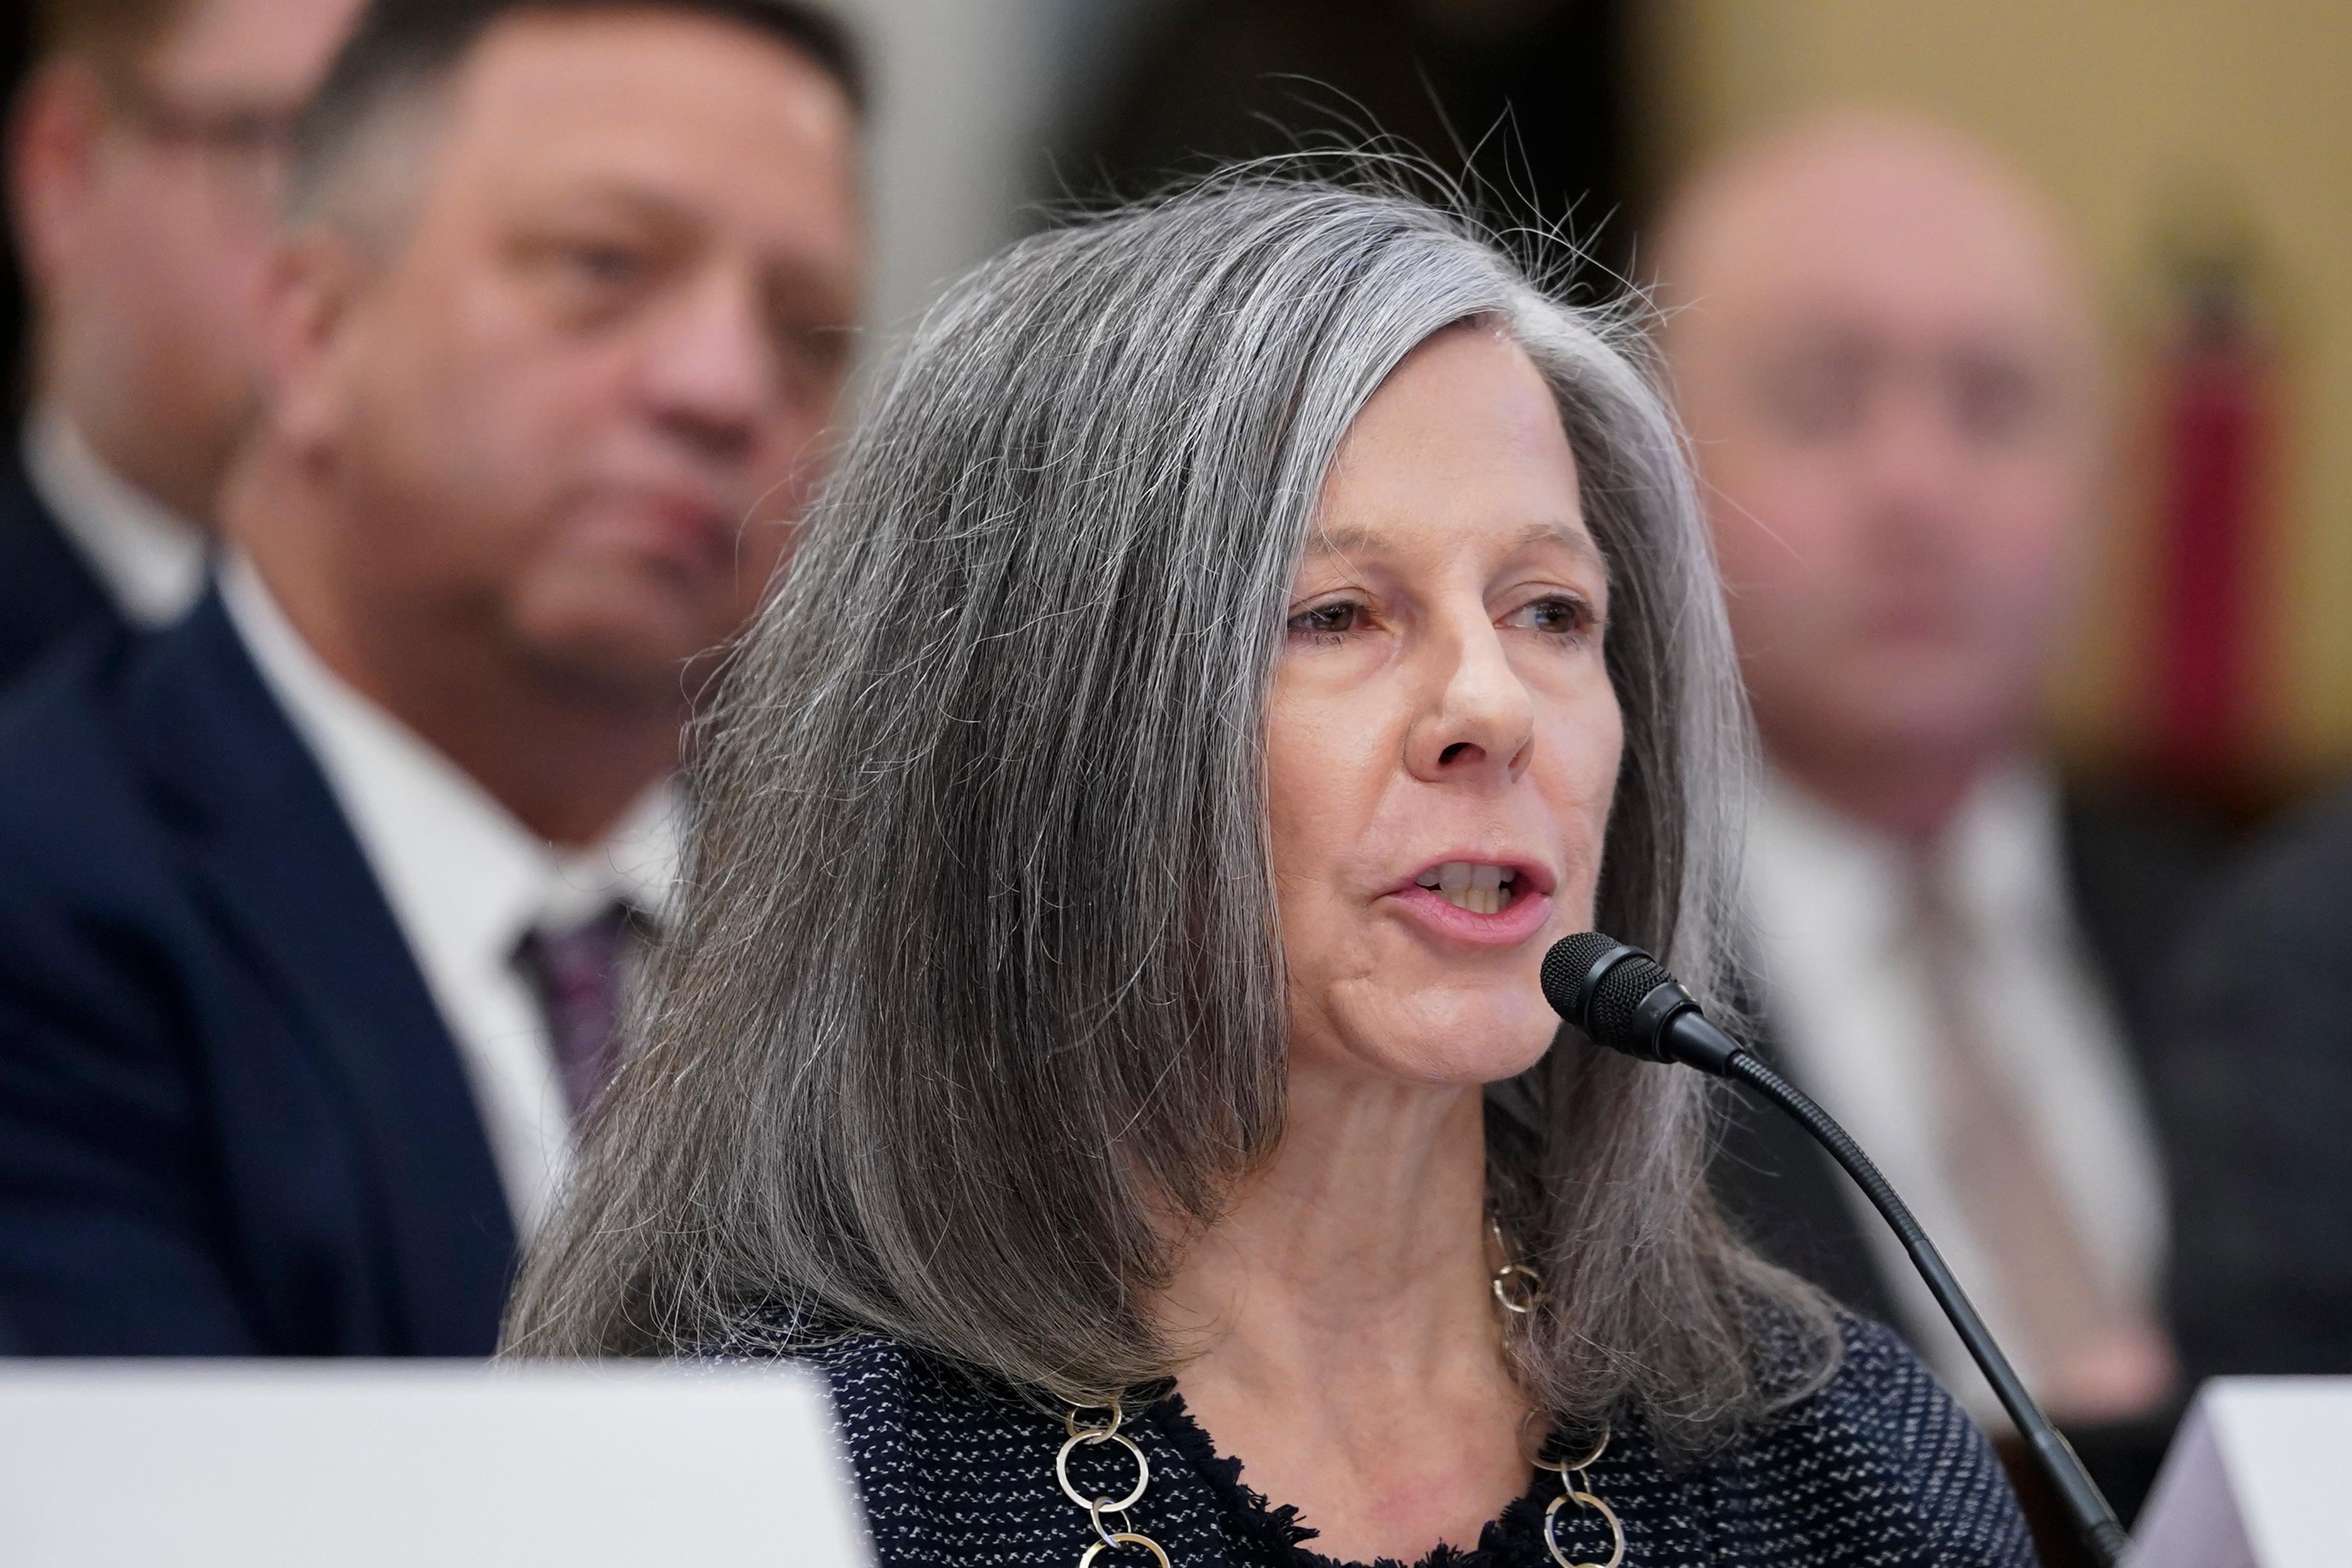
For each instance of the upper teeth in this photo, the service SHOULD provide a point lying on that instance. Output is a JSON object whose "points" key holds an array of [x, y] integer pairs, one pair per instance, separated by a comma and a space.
{"points": [[1481, 889]]}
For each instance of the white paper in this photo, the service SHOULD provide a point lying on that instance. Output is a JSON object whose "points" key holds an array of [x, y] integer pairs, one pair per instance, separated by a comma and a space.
{"points": [[2260, 1477], [371, 1464]]}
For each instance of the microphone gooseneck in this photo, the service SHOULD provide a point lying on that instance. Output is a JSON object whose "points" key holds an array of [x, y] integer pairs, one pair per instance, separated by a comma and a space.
{"points": [[1625, 999]]}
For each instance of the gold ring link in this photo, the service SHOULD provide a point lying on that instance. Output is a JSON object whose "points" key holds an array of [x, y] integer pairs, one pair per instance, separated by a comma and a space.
{"points": [[1578, 1467], [1124, 1538], [1518, 1289], [1095, 1512], [1585, 1499], [1142, 1471], [1070, 1420]]}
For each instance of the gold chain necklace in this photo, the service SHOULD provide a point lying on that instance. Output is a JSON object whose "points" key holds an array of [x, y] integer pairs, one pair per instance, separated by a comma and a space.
{"points": [[1083, 1435], [1518, 1289], [1579, 1491]]}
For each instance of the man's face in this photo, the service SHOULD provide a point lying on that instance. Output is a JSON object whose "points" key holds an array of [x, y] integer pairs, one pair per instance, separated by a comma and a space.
{"points": [[577, 408], [1887, 384], [146, 206]]}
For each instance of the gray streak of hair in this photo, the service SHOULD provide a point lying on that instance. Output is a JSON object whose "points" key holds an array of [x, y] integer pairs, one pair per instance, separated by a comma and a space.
{"points": [[974, 1007]]}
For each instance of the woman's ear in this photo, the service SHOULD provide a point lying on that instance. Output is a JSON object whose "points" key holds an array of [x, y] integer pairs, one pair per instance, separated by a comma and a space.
{"points": [[309, 294]]}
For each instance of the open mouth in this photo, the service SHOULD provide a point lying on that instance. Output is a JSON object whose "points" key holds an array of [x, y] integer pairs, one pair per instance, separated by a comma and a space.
{"points": [[1465, 884]]}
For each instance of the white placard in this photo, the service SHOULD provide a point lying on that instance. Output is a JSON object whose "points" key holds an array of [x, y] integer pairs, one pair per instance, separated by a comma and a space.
{"points": [[371, 1464], [2258, 1478]]}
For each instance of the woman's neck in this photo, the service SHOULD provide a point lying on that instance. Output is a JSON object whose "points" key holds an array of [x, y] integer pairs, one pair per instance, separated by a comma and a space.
{"points": [[1350, 1348]]}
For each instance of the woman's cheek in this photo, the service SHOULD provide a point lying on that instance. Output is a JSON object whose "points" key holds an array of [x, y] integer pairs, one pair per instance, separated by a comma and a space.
{"points": [[1590, 749]]}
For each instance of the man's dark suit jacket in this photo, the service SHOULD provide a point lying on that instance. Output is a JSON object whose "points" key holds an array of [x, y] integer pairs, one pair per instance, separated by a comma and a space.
{"points": [[2258, 1045], [47, 592], [231, 1119]]}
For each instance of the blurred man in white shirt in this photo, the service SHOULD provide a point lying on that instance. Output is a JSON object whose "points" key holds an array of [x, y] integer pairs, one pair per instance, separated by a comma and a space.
{"points": [[1884, 352], [144, 159]]}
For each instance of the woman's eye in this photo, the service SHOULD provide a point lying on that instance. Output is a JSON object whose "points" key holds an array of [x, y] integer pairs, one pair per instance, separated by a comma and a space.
{"points": [[1328, 620], [1555, 614]]}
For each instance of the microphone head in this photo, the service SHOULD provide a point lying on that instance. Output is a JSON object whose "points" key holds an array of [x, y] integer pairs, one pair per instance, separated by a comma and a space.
{"points": [[1572, 966], [1599, 984]]}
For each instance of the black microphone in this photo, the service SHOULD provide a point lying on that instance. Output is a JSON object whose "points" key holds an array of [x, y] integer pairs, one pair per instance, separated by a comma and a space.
{"points": [[1625, 999]]}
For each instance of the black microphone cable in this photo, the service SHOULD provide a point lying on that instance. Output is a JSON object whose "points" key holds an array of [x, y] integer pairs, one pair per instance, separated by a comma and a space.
{"points": [[1625, 999]]}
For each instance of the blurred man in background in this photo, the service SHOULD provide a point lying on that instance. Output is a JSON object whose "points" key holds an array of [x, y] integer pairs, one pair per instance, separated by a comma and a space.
{"points": [[145, 159], [1886, 357], [314, 908]]}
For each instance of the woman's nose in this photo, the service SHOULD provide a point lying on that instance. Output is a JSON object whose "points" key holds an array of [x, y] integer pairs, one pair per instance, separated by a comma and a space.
{"points": [[1478, 721]]}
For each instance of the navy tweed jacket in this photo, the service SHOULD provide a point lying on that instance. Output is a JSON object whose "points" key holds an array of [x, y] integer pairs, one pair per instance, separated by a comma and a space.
{"points": [[1876, 1467]]}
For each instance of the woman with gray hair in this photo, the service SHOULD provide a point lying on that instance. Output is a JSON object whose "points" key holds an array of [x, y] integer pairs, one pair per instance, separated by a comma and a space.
{"points": [[1101, 1031]]}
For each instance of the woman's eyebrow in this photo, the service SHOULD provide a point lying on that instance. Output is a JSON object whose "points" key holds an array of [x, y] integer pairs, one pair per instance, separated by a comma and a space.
{"points": [[1570, 537], [1342, 542]]}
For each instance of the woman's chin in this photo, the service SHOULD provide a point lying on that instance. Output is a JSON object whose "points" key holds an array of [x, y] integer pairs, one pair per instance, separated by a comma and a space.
{"points": [[1458, 1047]]}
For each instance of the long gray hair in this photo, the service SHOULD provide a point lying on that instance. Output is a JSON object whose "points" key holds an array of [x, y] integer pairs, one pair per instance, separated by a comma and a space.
{"points": [[974, 1013]]}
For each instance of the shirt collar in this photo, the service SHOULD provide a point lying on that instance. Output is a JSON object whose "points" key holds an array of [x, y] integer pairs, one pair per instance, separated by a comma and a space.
{"points": [[2004, 854], [1817, 878], [151, 559], [467, 879]]}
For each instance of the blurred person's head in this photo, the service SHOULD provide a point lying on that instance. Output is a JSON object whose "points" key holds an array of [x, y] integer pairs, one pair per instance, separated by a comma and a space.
{"points": [[560, 324], [144, 159], [1884, 357]]}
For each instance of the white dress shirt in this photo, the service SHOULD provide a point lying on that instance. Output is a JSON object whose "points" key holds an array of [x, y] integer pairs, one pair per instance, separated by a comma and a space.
{"points": [[148, 558], [466, 882], [1850, 1009]]}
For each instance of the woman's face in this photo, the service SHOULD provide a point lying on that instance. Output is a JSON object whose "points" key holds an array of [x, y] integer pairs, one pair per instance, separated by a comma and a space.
{"points": [[1443, 738]]}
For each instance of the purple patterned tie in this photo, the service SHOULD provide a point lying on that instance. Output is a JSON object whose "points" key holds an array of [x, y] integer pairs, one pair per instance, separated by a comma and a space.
{"points": [[578, 971]]}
